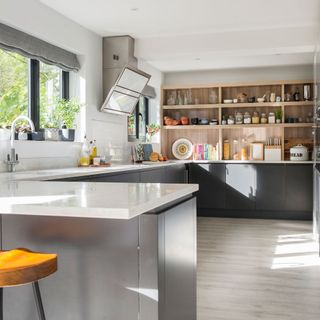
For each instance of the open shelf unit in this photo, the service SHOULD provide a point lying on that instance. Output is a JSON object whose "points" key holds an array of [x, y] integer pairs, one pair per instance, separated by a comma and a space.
{"points": [[207, 101]]}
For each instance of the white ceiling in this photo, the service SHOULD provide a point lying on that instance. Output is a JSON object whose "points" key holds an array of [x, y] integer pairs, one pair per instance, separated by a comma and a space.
{"points": [[175, 35]]}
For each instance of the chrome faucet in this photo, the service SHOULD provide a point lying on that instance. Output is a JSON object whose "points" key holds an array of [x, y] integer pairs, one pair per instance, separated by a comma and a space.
{"points": [[12, 157]]}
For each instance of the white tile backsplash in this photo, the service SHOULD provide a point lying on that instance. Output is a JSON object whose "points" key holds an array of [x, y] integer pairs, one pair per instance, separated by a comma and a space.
{"points": [[41, 154]]}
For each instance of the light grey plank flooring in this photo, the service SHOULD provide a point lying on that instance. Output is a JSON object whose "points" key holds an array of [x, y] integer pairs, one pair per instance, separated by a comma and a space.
{"points": [[257, 269]]}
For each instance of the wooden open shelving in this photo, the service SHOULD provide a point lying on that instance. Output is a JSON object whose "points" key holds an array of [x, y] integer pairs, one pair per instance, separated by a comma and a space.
{"points": [[290, 133]]}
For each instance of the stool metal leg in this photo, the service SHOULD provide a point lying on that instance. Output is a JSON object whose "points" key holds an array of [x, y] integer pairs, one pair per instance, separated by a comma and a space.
{"points": [[37, 295], [1, 303]]}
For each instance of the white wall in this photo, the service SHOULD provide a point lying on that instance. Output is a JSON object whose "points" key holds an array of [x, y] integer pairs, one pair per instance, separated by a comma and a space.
{"points": [[38, 20], [304, 72], [109, 130]]}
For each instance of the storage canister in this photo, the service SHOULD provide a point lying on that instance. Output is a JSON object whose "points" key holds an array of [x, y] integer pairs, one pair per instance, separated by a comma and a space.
{"points": [[299, 153]]}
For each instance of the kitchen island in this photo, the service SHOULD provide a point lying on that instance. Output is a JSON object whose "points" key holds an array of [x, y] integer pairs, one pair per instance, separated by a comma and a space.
{"points": [[126, 250]]}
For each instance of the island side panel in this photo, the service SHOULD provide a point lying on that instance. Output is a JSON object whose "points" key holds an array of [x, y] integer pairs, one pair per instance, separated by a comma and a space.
{"points": [[97, 275], [178, 262]]}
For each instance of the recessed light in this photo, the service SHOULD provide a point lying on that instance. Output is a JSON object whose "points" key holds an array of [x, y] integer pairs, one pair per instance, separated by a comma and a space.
{"points": [[134, 9]]}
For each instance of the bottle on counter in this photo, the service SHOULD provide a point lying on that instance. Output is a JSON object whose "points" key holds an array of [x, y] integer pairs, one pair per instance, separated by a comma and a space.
{"points": [[85, 153], [93, 151]]}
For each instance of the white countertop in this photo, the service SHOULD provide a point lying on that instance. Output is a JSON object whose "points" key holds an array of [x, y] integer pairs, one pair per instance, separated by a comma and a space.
{"points": [[55, 174], [88, 199], [30, 193]]}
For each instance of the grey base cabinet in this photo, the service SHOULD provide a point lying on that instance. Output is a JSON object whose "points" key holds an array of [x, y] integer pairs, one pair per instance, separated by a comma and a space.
{"points": [[165, 174], [276, 191]]}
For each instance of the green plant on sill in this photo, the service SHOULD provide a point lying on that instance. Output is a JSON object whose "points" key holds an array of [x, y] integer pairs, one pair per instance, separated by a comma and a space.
{"points": [[64, 111]]}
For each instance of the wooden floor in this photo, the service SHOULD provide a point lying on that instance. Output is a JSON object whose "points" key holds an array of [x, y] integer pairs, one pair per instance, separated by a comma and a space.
{"points": [[257, 269]]}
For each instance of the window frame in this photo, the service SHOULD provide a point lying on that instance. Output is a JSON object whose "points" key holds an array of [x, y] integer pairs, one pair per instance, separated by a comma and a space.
{"points": [[34, 90], [136, 112]]}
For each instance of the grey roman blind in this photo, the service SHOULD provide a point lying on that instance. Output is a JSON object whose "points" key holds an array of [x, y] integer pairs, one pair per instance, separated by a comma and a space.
{"points": [[34, 48]]}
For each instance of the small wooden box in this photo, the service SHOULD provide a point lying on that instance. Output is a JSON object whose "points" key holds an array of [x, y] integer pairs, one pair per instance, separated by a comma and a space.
{"points": [[272, 153]]}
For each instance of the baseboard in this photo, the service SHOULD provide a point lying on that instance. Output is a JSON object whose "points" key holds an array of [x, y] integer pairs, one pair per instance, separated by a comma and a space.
{"points": [[255, 214]]}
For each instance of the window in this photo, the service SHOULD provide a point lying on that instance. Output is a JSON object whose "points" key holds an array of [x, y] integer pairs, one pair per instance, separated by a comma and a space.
{"points": [[50, 92], [14, 79], [138, 121], [29, 87]]}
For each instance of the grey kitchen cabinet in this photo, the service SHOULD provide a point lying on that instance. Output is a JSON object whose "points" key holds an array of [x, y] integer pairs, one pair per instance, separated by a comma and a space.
{"points": [[156, 175], [114, 177], [163, 174], [212, 184], [299, 188], [123, 177], [270, 191], [253, 190], [240, 186], [176, 174]]}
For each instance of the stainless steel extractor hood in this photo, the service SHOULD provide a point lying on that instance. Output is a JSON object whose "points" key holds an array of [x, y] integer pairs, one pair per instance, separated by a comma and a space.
{"points": [[123, 83]]}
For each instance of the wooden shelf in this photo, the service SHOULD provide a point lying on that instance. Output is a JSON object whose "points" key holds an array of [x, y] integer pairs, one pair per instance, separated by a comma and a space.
{"points": [[239, 126], [251, 105], [214, 134], [191, 106], [298, 125], [298, 103], [192, 127]]}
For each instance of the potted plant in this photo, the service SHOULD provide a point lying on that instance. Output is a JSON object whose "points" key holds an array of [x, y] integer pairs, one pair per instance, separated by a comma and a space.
{"points": [[278, 114], [152, 129], [62, 116]]}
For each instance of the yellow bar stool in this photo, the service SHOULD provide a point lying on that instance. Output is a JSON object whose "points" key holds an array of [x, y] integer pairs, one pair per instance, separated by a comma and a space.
{"points": [[22, 266]]}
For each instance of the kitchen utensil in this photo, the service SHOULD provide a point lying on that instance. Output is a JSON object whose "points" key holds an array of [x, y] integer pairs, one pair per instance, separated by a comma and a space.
{"points": [[194, 120], [182, 149], [184, 120], [213, 121], [204, 121]]}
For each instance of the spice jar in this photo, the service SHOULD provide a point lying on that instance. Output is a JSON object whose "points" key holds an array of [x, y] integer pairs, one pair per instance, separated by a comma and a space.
{"points": [[224, 120], [239, 118], [255, 117], [264, 118], [226, 150], [272, 118], [231, 119], [247, 118]]}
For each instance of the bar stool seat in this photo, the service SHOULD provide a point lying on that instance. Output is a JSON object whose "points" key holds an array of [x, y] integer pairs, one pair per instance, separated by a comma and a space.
{"points": [[22, 266]]}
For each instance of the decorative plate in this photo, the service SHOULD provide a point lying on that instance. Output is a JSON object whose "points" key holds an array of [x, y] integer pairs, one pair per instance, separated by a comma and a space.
{"points": [[182, 149]]}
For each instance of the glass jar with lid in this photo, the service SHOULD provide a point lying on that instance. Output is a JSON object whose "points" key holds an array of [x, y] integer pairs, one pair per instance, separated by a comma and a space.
{"points": [[231, 119], [236, 150], [247, 118], [239, 118], [272, 117], [255, 117], [264, 118]]}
